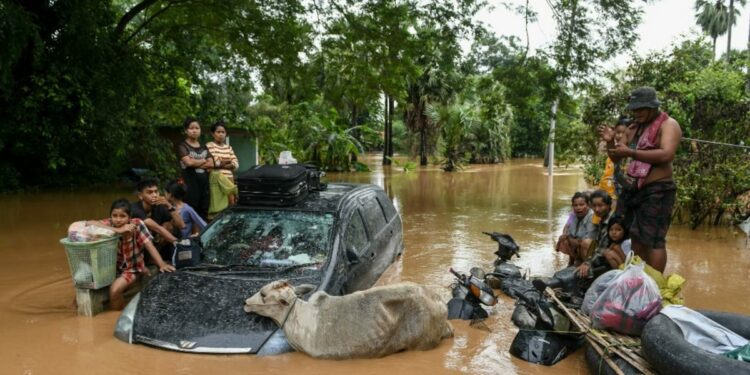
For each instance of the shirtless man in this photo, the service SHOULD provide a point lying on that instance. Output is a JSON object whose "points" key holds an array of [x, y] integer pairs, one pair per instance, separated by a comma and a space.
{"points": [[652, 142]]}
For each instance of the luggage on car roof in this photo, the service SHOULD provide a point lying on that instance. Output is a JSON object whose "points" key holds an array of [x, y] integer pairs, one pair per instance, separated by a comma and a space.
{"points": [[278, 185]]}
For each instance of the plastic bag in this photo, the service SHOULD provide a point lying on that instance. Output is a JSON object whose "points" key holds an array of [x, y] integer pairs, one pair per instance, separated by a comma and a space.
{"points": [[286, 158], [742, 353], [631, 299], [669, 287], [80, 232], [596, 289]]}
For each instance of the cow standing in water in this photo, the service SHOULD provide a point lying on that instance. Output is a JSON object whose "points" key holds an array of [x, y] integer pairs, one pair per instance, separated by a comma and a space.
{"points": [[365, 324]]}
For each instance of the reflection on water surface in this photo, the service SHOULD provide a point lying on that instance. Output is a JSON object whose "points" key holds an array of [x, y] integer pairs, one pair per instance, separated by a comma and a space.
{"points": [[444, 215]]}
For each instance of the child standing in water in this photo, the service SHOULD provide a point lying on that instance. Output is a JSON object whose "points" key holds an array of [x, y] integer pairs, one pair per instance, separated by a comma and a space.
{"points": [[133, 238]]}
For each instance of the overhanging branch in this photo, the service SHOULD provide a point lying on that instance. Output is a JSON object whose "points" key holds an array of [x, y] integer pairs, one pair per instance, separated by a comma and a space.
{"points": [[129, 15]]}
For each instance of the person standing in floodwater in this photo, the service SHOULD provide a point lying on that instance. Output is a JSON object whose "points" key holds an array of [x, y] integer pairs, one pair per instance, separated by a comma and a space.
{"points": [[195, 162], [652, 142]]}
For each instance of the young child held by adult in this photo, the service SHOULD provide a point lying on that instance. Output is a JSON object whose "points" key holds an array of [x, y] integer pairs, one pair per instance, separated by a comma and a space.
{"points": [[194, 224], [134, 237], [619, 243], [609, 182]]}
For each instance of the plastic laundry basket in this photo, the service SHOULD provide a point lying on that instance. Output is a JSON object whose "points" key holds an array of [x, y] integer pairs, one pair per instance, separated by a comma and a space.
{"points": [[92, 264]]}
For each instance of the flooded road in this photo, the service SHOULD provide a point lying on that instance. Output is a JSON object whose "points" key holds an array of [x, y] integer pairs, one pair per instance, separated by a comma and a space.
{"points": [[444, 215]]}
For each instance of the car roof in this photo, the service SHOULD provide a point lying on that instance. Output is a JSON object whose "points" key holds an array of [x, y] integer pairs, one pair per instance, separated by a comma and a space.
{"points": [[327, 200]]}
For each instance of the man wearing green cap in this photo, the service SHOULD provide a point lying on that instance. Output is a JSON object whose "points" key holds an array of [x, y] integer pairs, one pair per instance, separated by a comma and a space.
{"points": [[652, 142]]}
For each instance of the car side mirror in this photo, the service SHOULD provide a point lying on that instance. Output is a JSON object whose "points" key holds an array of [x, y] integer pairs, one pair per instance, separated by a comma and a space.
{"points": [[351, 256]]}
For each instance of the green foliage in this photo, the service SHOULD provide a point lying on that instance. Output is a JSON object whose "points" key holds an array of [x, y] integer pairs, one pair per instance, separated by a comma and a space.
{"points": [[487, 138], [453, 121], [313, 131], [403, 142], [83, 84], [591, 31], [405, 166]]}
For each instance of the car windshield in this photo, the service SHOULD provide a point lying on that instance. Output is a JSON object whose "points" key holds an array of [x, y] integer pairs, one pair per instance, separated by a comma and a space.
{"points": [[268, 238]]}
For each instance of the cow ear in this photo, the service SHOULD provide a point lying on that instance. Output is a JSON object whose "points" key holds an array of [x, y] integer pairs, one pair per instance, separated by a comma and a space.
{"points": [[303, 289]]}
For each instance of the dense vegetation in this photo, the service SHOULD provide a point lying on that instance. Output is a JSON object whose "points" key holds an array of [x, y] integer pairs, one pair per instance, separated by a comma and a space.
{"points": [[85, 86]]}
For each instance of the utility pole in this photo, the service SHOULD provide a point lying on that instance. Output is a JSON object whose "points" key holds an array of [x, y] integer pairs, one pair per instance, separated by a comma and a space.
{"points": [[551, 149], [387, 133]]}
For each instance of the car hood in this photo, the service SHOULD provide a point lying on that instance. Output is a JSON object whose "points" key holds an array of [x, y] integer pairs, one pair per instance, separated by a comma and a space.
{"points": [[202, 311]]}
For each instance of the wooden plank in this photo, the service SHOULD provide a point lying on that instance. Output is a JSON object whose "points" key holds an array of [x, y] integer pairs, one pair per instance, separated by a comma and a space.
{"points": [[91, 301], [606, 357]]}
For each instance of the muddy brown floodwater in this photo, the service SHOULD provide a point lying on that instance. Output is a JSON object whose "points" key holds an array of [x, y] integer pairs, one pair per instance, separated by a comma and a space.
{"points": [[444, 215]]}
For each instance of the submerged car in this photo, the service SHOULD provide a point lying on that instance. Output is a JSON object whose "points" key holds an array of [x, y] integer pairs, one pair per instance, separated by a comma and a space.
{"points": [[340, 239]]}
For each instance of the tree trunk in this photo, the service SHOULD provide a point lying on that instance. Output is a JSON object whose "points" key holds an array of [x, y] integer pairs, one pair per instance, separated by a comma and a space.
{"points": [[747, 79], [354, 133], [423, 146], [714, 53], [729, 30], [386, 136], [528, 41], [390, 126]]}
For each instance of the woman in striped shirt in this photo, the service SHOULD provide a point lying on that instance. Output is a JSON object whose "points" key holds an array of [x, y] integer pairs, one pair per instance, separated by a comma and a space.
{"points": [[226, 162]]}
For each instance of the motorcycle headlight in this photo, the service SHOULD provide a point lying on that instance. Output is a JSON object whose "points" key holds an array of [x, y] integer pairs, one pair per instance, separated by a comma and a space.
{"points": [[124, 325]]}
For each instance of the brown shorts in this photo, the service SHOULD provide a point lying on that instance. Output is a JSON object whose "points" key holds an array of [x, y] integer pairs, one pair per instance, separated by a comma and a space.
{"points": [[650, 209]]}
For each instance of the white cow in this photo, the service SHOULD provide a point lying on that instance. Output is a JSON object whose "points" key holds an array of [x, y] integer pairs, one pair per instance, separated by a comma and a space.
{"points": [[370, 323]]}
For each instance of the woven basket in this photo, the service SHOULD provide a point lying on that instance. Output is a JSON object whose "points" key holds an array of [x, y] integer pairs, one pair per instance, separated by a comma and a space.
{"points": [[92, 264]]}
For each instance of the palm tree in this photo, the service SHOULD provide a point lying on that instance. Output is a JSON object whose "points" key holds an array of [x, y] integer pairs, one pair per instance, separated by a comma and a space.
{"points": [[733, 15], [713, 18]]}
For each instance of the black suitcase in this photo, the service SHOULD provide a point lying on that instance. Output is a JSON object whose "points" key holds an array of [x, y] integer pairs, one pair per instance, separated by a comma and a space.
{"points": [[273, 185], [313, 178]]}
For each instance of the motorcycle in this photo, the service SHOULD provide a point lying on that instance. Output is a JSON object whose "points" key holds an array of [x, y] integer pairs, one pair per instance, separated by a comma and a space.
{"points": [[572, 287], [506, 249], [470, 292], [544, 335]]}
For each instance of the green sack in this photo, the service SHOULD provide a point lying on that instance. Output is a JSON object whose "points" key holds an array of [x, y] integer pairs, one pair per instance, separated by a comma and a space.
{"points": [[742, 353]]}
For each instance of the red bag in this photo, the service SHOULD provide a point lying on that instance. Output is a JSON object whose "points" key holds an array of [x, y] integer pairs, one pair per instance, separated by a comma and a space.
{"points": [[630, 300]]}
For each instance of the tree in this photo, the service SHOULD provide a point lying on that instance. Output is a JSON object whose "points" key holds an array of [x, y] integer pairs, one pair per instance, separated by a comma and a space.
{"points": [[589, 32], [441, 26], [713, 18], [733, 14]]}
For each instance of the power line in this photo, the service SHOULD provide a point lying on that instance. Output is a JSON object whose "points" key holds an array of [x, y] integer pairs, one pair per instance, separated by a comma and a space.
{"points": [[715, 143]]}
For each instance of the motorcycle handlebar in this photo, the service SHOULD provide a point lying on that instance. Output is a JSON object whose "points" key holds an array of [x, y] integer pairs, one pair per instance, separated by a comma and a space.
{"points": [[458, 275]]}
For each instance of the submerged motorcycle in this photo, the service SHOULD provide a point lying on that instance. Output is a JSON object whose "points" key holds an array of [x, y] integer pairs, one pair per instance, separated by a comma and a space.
{"points": [[470, 292]]}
